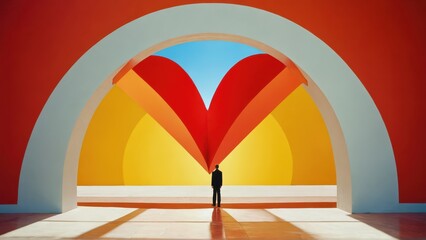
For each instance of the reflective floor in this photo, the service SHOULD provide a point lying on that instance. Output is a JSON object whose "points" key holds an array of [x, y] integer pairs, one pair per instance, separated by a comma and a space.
{"points": [[211, 223]]}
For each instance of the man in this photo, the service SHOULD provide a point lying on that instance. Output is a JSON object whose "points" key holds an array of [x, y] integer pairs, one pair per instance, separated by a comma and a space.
{"points": [[216, 185]]}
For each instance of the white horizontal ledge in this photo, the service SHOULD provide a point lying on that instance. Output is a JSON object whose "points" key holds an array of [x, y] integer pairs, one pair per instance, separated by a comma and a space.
{"points": [[203, 194]]}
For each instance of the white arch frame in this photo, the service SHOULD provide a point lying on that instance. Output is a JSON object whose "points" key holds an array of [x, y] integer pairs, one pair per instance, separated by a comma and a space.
{"points": [[49, 170]]}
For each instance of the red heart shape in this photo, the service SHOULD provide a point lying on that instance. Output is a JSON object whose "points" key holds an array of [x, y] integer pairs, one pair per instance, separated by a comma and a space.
{"points": [[246, 95]]}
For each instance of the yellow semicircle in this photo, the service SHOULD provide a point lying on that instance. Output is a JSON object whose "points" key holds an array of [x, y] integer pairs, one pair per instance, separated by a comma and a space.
{"points": [[300, 119], [124, 145], [262, 158], [153, 157], [101, 155]]}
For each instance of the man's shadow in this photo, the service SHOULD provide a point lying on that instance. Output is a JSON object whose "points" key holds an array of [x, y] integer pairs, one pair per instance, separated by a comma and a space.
{"points": [[216, 225]]}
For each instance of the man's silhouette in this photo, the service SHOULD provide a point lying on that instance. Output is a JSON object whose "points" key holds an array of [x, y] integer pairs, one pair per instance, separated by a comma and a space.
{"points": [[216, 185]]}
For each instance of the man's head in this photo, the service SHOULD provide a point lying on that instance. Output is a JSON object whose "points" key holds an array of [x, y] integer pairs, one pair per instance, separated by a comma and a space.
{"points": [[217, 166]]}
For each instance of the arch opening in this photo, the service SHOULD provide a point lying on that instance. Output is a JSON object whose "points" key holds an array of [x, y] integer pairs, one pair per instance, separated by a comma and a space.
{"points": [[306, 159]]}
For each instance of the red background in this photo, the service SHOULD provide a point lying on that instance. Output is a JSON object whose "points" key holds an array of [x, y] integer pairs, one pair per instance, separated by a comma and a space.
{"points": [[382, 41]]}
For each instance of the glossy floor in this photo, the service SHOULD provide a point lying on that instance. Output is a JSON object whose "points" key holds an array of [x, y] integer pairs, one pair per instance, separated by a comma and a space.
{"points": [[212, 223]]}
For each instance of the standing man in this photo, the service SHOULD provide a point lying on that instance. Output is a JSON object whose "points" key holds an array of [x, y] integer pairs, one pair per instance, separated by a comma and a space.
{"points": [[216, 185]]}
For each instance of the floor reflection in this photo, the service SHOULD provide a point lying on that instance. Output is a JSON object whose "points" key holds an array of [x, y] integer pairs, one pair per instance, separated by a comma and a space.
{"points": [[216, 225], [397, 225]]}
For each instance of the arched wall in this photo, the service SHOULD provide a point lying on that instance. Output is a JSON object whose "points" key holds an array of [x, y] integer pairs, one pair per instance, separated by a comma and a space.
{"points": [[370, 154]]}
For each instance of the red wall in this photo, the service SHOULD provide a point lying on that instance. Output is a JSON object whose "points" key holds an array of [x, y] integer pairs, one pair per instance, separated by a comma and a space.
{"points": [[382, 41]]}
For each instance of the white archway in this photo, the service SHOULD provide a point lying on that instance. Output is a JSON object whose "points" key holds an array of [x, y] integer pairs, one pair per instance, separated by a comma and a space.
{"points": [[48, 177]]}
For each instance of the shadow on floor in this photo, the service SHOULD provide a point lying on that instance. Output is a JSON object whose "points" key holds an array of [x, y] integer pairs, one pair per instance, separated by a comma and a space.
{"points": [[13, 221], [106, 228]]}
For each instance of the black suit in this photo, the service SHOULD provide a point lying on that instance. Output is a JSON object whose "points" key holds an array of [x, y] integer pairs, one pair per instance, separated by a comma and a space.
{"points": [[216, 184]]}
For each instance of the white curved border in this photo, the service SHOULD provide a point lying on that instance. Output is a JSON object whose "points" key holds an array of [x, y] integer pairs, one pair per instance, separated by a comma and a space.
{"points": [[372, 164]]}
